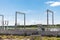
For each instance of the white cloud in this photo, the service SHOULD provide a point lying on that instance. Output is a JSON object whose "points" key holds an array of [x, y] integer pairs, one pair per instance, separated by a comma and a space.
{"points": [[49, 2], [53, 4]]}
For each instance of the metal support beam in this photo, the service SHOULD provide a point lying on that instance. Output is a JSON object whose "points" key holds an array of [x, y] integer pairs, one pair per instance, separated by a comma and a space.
{"points": [[2, 20], [24, 21], [47, 18], [52, 18], [16, 19]]}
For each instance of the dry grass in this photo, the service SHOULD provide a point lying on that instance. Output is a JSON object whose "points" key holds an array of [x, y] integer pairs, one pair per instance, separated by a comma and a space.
{"points": [[11, 37]]}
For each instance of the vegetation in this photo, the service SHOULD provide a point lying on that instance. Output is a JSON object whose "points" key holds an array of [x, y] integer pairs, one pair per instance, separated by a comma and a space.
{"points": [[35, 26]]}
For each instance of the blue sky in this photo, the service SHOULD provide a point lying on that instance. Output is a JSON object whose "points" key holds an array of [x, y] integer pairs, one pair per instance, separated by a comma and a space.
{"points": [[35, 10]]}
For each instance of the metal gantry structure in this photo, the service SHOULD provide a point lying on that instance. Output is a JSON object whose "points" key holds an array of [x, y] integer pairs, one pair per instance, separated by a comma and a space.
{"points": [[16, 18], [6, 23], [49, 11], [2, 21]]}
